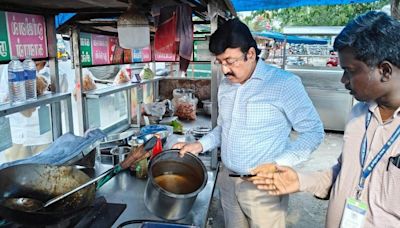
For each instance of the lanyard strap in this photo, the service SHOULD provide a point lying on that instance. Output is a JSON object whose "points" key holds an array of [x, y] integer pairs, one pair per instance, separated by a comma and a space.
{"points": [[363, 152]]}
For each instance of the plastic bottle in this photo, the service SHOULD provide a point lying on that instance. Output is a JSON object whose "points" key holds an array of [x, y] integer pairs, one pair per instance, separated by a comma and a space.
{"points": [[16, 82], [158, 147], [141, 167], [30, 78]]}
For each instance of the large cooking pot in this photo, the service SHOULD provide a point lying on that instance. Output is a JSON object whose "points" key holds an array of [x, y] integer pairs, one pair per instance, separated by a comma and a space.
{"points": [[173, 184], [44, 182]]}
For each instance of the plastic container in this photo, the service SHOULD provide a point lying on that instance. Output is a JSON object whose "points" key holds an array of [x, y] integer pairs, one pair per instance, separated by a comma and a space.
{"points": [[16, 81], [30, 78]]}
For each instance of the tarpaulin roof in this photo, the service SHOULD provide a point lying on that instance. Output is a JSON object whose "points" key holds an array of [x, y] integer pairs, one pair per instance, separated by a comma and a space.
{"points": [[290, 39], [245, 5]]}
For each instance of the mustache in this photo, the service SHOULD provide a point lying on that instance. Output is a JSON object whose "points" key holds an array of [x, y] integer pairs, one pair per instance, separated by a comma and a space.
{"points": [[230, 74]]}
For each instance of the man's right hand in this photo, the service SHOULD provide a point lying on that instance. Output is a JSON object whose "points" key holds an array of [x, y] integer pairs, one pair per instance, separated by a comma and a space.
{"points": [[283, 181], [194, 148]]}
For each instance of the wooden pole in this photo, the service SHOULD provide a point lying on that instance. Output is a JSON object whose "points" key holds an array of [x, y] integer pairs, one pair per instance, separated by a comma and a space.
{"points": [[394, 8]]}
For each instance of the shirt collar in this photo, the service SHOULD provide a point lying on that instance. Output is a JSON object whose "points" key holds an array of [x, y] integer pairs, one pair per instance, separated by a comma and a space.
{"points": [[257, 73], [373, 107]]}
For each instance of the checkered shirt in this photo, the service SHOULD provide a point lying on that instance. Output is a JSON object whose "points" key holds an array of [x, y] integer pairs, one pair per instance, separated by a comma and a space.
{"points": [[256, 118]]}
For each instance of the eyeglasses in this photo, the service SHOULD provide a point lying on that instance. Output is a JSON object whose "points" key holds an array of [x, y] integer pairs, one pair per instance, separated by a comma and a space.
{"points": [[231, 61]]}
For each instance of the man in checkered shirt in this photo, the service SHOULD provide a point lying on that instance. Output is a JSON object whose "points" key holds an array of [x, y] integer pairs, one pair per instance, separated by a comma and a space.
{"points": [[258, 105]]}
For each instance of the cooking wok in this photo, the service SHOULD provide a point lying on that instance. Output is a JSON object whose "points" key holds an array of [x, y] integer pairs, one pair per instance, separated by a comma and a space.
{"points": [[44, 182]]}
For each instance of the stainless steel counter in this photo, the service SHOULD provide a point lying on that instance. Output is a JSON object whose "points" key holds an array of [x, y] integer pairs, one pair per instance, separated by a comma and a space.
{"points": [[127, 189]]}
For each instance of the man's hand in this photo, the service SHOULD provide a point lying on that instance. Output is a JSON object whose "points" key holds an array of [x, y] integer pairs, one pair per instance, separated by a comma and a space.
{"points": [[281, 182], [264, 168], [194, 148]]}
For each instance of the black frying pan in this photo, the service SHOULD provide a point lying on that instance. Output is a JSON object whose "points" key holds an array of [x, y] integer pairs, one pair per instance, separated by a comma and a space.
{"points": [[43, 182]]}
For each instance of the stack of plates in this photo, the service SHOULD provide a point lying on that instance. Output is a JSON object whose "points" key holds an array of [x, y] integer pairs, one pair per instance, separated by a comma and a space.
{"points": [[199, 132]]}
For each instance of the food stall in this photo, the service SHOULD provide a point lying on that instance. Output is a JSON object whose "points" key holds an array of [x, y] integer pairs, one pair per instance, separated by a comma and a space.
{"points": [[94, 23]]}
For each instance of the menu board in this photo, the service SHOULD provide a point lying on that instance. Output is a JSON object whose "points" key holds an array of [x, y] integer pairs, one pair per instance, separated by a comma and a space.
{"points": [[201, 52], [100, 49], [103, 50], [22, 35]]}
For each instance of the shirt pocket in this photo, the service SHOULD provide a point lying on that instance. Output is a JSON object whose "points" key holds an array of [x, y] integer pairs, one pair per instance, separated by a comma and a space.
{"points": [[391, 190], [263, 115]]}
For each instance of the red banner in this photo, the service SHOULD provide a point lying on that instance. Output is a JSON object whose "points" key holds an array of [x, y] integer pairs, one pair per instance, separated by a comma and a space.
{"points": [[164, 40]]}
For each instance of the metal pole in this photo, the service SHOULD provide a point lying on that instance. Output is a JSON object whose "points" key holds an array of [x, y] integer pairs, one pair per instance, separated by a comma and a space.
{"points": [[80, 107], [284, 54], [54, 78], [215, 79], [70, 121]]}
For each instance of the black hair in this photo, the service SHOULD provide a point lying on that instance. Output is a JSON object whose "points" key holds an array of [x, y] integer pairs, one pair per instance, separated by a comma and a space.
{"points": [[232, 34], [374, 37]]}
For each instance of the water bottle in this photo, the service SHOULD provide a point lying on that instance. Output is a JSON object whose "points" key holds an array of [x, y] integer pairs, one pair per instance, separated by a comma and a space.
{"points": [[30, 78], [16, 82]]}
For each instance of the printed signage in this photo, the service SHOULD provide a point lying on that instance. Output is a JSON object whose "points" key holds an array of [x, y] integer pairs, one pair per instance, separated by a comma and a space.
{"points": [[22, 35], [160, 56], [102, 50], [141, 55], [86, 49]]}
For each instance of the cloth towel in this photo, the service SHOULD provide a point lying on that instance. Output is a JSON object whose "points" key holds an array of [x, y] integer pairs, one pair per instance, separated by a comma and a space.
{"points": [[63, 149]]}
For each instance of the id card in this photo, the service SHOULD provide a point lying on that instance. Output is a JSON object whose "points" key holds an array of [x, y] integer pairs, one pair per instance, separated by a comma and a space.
{"points": [[354, 214]]}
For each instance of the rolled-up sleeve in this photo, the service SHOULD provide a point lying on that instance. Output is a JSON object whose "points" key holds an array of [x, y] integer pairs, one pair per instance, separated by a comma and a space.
{"points": [[211, 140], [319, 183]]}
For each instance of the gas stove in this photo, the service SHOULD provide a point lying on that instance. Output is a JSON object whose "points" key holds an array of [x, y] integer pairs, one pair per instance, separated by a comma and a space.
{"points": [[100, 214]]}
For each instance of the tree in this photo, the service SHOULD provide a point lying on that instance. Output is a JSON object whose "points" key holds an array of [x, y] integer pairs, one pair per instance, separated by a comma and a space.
{"points": [[332, 15]]}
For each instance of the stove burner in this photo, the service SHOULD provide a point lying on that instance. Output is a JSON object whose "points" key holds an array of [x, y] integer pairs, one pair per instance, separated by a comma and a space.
{"points": [[100, 214]]}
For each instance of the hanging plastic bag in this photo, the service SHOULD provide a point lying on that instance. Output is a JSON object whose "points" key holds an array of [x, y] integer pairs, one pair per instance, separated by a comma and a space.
{"points": [[185, 104]]}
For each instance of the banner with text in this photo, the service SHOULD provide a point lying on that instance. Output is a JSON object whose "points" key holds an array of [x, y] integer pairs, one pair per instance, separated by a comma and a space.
{"points": [[103, 50], [22, 35]]}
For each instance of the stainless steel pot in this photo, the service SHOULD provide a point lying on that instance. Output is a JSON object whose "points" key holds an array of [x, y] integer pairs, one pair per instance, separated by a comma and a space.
{"points": [[173, 184], [119, 153], [207, 107]]}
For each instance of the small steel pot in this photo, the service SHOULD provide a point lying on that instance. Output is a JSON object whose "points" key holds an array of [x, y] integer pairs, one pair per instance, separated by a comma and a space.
{"points": [[119, 153], [207, 106], [173, 184]]}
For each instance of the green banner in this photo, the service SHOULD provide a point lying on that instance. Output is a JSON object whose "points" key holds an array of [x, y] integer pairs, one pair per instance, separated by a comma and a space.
{"points": [[86, 49], [4, 45]]}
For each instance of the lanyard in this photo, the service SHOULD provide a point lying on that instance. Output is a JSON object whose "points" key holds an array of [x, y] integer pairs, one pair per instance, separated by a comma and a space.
{"points": [[363, 152]]}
